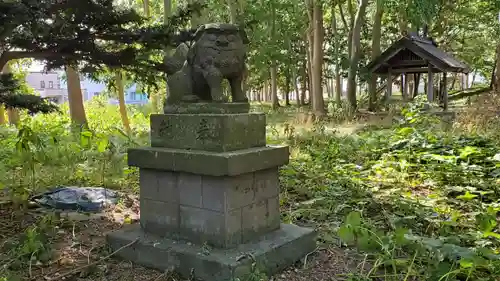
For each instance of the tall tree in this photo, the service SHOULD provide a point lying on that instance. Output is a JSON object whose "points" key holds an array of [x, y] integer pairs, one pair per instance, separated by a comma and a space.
{"points": [[75, 97], [376, 35], [497, 67], [12, 113], [121, 101], [336, 43], [146, 5], [2, 108], [309, 38], [355, 53], [348, 25], [274, 66], [2, 115], [167, 13], [318, 104]]}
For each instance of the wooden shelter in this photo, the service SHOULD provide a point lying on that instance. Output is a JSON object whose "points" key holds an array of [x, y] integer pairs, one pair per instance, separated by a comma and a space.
{"points": [[416, 55]]}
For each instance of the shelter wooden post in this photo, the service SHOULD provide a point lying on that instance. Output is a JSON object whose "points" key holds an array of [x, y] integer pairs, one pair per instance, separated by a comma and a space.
{"points": [[430, 85], [388, 93], [445, 92], [404, 92]]}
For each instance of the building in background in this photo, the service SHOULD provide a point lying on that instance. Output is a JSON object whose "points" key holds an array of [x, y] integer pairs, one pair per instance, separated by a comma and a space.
{"points": [[51, 85], [132, 96], [48, 85]]}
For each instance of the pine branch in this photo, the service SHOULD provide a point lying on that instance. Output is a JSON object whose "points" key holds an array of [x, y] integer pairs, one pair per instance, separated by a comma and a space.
{"points": [[34, 104], [11, 97]]}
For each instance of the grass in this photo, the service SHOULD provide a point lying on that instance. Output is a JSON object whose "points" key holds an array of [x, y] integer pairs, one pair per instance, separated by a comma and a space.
{"points": [[417, 200]]}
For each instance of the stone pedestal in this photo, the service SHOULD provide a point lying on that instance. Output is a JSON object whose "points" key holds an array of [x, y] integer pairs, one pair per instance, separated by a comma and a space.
{"points": [[210, 196]]}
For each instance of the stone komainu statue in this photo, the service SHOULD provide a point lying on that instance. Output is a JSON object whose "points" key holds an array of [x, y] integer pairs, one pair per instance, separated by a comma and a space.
{"points": [[195, 73]]}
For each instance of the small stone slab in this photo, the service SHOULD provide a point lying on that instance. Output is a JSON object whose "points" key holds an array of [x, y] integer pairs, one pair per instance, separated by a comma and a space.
{"points": [[208, 132], [273, 253], [208, 107], [209, 163]]}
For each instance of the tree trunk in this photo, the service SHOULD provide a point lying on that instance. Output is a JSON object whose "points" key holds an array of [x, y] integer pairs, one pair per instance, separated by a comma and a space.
{"points": [[2, 108], [496, 85], [274, 67], [309, 86], [2, 115], [328, 84], [453, 81], [274, 88], [350, 9], [338, 89], [303, 83], [235, 17], [146, 8], [376, 34], [167, 12], [287, 88], [310, 48], [154, 96], [121, 102], [426, 88], [75, 99], [408, 82], [403, 16], [356, 42], [416, 79], [318, 104], [296, 87], [265, 91], [197, 19], [293, 72], [270, 91], [3, 121], [233, 11], [13, 114]]}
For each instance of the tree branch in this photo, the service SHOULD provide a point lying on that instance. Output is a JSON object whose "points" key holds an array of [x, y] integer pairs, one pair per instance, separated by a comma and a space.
{"points": [[342, 16]]}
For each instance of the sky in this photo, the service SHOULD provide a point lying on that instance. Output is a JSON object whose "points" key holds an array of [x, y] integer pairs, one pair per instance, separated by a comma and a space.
{"points": [[36, 66]]}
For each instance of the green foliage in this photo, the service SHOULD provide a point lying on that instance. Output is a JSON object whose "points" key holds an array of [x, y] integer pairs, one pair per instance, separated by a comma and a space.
{"points": [[45, 152], [14, 94], [421, 202], [31, 247]]}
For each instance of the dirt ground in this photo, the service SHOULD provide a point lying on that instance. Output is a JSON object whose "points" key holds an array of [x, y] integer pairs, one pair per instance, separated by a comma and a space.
{"points": [[79, 252]]}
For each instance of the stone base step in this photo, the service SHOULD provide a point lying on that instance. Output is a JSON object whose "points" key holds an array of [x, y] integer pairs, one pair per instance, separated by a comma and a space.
{"points": [[273, 253]]}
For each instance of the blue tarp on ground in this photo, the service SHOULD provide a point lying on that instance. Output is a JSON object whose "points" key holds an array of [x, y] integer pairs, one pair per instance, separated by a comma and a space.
{"points": [[85, 199]]}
